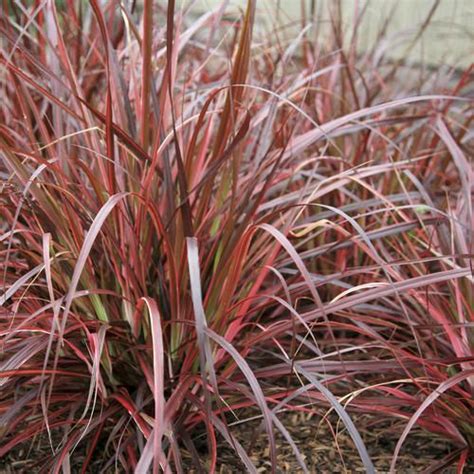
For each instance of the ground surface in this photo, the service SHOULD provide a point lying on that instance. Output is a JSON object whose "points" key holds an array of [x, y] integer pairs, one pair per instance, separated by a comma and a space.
{"points": [[322, 453], [316, 442]]}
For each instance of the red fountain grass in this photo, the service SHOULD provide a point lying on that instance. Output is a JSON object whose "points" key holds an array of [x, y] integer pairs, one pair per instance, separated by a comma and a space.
{"points": [[195, 224]]}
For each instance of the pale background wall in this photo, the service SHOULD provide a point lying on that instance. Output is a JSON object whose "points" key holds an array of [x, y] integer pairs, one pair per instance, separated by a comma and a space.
{"points": [[448, 40]]}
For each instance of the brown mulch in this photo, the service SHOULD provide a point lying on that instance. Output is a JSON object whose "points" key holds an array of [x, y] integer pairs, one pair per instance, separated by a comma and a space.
{"points": [[324, 444], [327, 447]]}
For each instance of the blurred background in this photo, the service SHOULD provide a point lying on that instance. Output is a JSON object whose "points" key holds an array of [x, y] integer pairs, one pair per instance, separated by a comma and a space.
{"points": [[448, 39]]}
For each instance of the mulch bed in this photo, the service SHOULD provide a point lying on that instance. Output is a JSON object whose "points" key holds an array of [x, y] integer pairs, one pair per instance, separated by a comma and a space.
{"points": [[328, 451], [324, 444]]}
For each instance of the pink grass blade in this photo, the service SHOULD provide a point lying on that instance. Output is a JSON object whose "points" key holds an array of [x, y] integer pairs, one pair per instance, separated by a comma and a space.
{"points": [[158, 388], [443, 387], [364, 455], [254, 385]]}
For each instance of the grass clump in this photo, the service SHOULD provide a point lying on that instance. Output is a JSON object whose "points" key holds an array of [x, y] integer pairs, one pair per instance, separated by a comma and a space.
{"points": [[198, 222]]}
